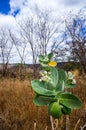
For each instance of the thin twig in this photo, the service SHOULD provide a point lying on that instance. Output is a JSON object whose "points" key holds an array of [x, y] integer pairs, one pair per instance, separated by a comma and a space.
{"points": [[77, 124], [46, 128], [82, 128], [67, 122]]}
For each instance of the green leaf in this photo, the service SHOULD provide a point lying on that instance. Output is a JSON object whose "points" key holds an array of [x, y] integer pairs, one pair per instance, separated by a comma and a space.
{"points": [[54, 76], [42, 100], [69, 84], [49, 86], [41, 57], [40, 88], [60, 86], [50, 55], [66, 110], [70, 75], [44, 64], [62, 75], [70, 101]]}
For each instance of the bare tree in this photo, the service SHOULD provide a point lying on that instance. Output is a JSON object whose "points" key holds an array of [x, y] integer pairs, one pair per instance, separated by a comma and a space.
{"points": [[20, 47], [76, 32], [38, 32], [60, 50], [72, 43], [46, 28], [5, 48], [26, 31]]}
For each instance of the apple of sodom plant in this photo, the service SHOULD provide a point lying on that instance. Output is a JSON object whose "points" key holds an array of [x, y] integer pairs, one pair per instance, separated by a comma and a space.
{"points": [[52, 88]]}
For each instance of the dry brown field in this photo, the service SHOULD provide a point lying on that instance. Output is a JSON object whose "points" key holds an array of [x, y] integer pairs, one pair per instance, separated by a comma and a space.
{"points": [[17, 111]]}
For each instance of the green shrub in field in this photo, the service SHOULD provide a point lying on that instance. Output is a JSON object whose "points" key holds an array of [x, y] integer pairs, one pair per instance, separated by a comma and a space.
{"points": [[52, 88]]}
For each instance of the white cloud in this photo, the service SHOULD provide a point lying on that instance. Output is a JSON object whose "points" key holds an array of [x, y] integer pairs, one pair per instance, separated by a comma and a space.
{"points": [[61, 8], [27, 7], [7, 20], [71, 2], [57, 5], [15, 5]]}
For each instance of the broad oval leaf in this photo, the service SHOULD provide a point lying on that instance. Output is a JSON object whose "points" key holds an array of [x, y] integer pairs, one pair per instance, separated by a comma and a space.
{"points": [[62, 75], [43, 100], [60, 86], [40, 88], [70, 101], [54, 76], [49, 86]]}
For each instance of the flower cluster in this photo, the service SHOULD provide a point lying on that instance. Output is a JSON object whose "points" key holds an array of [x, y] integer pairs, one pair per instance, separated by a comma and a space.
{"points": [[45, 76], [71, 77]]}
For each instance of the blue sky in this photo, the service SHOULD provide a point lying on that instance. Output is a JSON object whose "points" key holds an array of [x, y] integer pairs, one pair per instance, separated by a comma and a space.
{"points": [[4, 6]]}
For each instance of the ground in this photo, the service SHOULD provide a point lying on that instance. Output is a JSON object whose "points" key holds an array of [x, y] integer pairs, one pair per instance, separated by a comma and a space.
{"points": [[18, 112]]}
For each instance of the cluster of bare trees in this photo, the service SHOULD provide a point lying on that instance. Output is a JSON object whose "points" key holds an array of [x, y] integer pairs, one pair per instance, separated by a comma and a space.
{"points": [[72, 46], [6, 46], [31, 37], [37, 34], [77, 44]]}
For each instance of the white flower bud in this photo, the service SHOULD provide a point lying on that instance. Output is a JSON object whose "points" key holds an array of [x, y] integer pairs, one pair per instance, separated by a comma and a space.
{"points": [[74, 81], [40, 80], [45, 72]]}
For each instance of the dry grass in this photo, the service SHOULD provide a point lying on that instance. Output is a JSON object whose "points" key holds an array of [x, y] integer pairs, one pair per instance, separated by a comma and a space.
{"points": [[17, 111], [80, 91]]}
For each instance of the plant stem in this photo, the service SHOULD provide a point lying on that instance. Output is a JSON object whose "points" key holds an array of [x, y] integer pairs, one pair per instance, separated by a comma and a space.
{"points": [[67, 122], [52, 123], [34, 125], [56, 124], [46, 128]]}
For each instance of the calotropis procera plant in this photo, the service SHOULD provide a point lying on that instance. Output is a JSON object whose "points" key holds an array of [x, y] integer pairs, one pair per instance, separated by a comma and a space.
{"points": [[52, 88]]}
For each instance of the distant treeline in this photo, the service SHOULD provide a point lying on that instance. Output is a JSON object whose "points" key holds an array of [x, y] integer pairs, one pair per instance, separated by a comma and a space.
{"points": [[32, 70]]}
